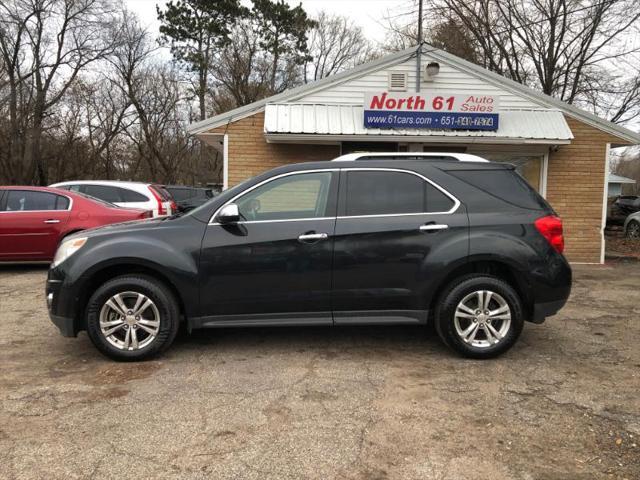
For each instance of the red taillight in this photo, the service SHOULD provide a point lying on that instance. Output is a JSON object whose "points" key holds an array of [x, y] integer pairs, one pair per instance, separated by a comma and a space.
{"points": [[156, 195], [550, 227]]}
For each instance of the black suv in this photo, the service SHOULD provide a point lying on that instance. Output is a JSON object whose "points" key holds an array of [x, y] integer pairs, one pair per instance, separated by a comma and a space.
{"points": [[384, 239]]}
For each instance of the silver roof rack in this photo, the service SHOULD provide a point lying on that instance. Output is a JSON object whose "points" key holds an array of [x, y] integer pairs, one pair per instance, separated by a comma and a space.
{"points": [[461, 157]]}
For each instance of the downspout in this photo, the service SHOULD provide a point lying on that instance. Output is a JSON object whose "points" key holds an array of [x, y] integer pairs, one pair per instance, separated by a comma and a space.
{"points": [[419, 51]]}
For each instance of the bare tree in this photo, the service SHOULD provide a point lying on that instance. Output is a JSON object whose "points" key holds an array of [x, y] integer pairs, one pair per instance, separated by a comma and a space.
{"points": [[107, 115], [335, 44], [567, 48], [46, 44], [156, 96], [244, 70]]}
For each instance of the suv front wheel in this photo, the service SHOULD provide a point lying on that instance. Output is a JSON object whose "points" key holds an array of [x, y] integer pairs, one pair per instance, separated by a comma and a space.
{"points": [[132, 317], [479, 316]]}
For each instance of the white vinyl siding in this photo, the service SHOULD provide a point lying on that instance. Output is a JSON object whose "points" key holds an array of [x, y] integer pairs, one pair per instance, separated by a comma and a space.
{"points": [[352, 91]]}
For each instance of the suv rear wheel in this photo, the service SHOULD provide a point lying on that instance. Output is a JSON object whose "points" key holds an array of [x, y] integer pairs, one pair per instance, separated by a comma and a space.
{"points": [[132, 317], [479, 316]]}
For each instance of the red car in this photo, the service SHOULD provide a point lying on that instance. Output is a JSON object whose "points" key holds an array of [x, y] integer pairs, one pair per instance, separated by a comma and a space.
{"points": [[33, 220]]}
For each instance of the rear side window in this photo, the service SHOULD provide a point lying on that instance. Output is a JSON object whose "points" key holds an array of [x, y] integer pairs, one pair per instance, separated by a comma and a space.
{"points": [[112, 194], [437, 201], [27, 200], [505, 184], [131, 196], [386, 193], [103, 192], [380, 193]]}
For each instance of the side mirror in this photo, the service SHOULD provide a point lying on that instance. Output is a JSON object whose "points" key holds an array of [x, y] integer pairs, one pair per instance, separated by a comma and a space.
{"points": [[229, 214]]}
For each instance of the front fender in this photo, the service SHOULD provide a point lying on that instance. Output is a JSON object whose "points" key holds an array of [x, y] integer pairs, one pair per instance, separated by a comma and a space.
{"points": [[171, 254]]}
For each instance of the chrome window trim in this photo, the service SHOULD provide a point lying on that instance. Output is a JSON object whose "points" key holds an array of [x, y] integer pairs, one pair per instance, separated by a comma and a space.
{"points": [[278, 220], [68, 209], [299, 172], [456, 202]]}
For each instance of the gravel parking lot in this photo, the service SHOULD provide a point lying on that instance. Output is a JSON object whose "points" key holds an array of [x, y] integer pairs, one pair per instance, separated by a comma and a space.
{"points": [[356, 403]]}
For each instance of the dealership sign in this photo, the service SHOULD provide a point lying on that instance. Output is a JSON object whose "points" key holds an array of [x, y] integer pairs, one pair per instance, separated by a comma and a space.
{"points": [[431, 110]]}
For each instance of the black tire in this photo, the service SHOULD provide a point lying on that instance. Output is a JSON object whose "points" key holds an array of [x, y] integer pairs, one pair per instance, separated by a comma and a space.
{"points": [[157, 292], [455, 293], [633, 230]]}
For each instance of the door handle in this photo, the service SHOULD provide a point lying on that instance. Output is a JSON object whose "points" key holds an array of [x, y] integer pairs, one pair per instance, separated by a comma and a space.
{"points": [[52, 220], [433, 227], [312, 237]]}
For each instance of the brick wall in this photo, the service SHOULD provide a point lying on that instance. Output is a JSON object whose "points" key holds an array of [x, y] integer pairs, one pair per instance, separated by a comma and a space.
{"points": [[575, 178], [575, 188]]}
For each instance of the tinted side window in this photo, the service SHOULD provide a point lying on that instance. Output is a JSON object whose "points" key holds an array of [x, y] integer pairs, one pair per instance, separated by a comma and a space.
{"points": [[131, 196], [25, 200], [437, 201], [180, 194], [62, 203], [379, 193], [103, 192], [504, 184]]}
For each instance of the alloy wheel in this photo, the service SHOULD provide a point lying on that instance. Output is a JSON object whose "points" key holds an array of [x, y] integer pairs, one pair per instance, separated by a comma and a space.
{"points": [[482, 319], [633, 230], [129, 320]]}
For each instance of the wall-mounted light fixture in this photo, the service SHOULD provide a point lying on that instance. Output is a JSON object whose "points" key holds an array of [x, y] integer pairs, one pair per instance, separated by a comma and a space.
{"points": [[432, 69]]}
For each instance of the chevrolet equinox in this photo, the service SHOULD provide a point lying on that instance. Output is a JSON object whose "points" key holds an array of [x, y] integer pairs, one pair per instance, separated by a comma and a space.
{"points": [[365, 239]]}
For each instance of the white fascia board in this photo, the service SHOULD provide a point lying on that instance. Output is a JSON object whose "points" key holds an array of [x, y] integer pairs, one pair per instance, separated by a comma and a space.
{"points": [[312, 138]]}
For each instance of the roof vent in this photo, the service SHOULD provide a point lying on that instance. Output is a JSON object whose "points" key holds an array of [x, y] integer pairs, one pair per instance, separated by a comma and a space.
{"points": [[397, 82]]}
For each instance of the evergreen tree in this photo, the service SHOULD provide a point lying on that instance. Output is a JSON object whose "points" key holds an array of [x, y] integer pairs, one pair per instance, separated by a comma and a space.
{"points": [[196, 30], [283, 32]]}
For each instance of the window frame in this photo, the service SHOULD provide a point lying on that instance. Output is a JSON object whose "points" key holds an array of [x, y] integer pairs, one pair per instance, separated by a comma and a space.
{"points": [[212, 220], [5, 199], [343, 197]]}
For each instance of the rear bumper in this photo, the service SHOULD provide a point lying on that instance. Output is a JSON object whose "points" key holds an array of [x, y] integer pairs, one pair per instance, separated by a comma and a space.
{"points": [[551, 288], [543, 310]]}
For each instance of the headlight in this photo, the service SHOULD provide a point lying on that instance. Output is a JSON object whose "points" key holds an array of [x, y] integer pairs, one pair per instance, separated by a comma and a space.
{"points": [[68, 248]]}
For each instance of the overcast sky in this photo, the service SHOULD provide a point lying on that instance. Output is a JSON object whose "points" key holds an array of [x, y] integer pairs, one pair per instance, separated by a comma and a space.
{"points": [[369, 14]]}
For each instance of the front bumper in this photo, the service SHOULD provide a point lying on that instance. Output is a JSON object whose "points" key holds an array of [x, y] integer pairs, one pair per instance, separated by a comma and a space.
{"points": [[66, 325], [59, 305]]}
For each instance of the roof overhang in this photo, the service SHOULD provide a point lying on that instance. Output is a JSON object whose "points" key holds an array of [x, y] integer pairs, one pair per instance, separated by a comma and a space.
{"points": [[309, 123], [613, 178]]}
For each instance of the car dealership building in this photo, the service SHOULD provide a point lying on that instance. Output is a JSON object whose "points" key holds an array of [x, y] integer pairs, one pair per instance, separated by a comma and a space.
{"points": [[459, 107]]}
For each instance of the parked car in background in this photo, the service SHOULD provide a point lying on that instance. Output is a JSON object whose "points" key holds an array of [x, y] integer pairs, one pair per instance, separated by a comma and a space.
{"points": [[455, 240], [625, 205], [632, 226], [147, 196], [188, 198], [33, 220]]}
